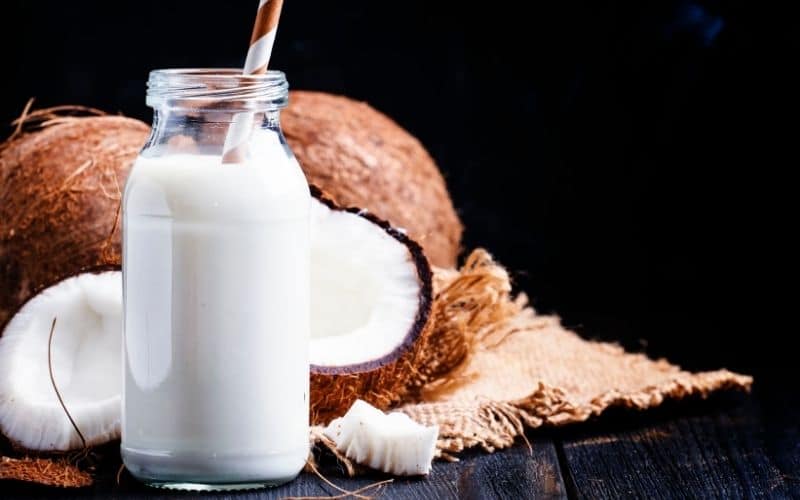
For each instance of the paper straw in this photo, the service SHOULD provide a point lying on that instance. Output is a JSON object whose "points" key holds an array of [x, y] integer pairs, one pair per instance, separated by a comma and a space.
{"points": [[257, 60]]}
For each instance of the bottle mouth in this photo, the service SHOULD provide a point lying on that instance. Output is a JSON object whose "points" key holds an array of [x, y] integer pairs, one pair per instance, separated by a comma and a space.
{"points": [[221, 89]]}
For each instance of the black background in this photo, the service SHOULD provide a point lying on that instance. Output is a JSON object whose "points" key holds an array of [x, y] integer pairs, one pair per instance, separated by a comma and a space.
{"points": [[629, 162]]}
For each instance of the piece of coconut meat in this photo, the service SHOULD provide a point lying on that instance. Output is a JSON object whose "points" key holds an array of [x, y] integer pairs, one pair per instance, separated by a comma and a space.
{"points": [[391, 442], [86, 354]]}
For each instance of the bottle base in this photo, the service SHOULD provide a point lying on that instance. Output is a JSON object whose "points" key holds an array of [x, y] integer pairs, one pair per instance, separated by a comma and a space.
{"points": [[175, 486], [214, 471]]}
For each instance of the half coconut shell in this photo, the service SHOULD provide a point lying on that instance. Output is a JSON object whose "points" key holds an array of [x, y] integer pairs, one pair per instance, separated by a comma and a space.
{"points": [[379, 377]]}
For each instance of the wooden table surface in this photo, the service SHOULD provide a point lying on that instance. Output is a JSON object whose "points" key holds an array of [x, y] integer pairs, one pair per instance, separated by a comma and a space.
{"points": [[733, 446]]}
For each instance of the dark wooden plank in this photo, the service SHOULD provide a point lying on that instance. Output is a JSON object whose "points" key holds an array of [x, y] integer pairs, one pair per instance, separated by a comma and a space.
{"points": [[519, 472], [514, 473], [718, 452], [780, 414]]}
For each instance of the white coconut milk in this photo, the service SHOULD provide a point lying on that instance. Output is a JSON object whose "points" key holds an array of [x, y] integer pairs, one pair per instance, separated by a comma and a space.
{"points": [[216, 279]]}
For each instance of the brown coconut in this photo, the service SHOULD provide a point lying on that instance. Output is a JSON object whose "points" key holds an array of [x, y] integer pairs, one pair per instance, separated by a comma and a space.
{"points": [[61, 187], [364, 159]]}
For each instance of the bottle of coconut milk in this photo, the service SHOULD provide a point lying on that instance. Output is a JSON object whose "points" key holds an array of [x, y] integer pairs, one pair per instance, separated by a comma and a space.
{"points": [[216, 289]]}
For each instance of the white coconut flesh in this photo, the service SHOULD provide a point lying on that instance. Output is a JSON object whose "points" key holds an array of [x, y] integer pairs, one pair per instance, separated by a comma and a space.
{"points": [[364, 301], [391, 443], [85, 356], [365, 291]]}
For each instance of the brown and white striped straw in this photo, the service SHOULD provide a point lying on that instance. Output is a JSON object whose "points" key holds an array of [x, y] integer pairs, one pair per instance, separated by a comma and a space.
{"points": [[261, 42]]}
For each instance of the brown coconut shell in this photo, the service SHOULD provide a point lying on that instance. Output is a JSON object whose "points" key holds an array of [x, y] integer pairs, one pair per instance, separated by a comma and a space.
{"points": [[364, 159], [385, 381], [61, 187]]}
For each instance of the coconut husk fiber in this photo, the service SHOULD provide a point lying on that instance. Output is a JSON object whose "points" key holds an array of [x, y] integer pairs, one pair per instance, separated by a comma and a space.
{"points": [[45, 471]]}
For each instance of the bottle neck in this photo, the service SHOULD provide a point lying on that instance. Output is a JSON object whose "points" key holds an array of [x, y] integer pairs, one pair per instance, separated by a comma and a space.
{"points": [[192, 131], [194, 109]]}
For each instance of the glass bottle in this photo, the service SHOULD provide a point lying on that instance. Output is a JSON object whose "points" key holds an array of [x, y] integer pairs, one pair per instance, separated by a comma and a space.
{"points": [[216, 289]]}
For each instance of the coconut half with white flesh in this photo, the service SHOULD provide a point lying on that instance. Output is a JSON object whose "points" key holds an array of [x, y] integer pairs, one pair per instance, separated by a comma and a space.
{"points": [[85, 359], [371, 302]]}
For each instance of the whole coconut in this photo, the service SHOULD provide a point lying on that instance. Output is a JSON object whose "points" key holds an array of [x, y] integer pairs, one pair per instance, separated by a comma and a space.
{"points": [[61, 187], [362, 158]]}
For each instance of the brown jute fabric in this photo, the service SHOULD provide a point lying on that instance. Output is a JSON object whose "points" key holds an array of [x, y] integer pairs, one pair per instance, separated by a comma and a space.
{"points": [[526, 370]]}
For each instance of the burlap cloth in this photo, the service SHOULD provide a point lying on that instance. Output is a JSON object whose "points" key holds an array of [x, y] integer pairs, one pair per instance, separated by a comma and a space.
{"points": [[525, 370]]}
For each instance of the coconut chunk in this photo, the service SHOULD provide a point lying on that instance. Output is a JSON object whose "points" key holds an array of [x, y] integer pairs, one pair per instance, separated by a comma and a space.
{"points": [[391, 442], [86, 355]]}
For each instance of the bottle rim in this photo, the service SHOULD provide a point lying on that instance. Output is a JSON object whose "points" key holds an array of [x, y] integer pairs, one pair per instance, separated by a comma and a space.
{"points": [[218, 89]]}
